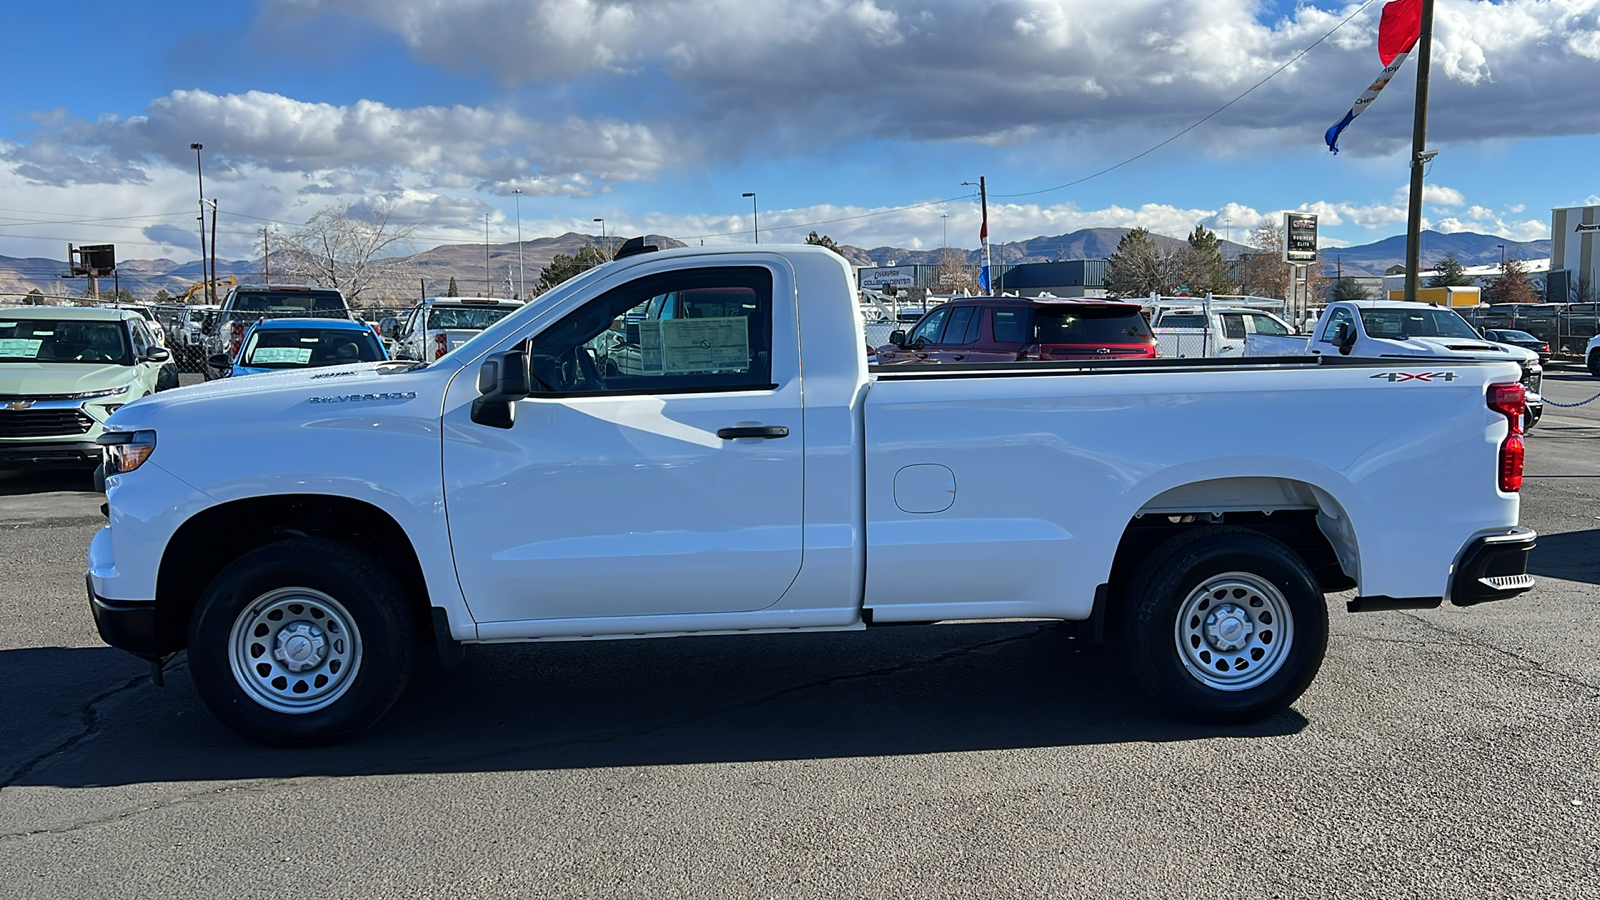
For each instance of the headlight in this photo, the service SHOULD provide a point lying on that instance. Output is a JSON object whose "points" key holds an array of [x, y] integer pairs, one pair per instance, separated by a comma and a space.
{"points": [[109, 392], [126, 450]]}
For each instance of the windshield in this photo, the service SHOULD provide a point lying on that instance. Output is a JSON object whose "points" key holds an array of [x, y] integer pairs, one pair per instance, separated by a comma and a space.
{"points": [[467, 317], [289, 301], [305, 348], [1399, 324], [1513, 336], [1090, 325], [64, 341]]}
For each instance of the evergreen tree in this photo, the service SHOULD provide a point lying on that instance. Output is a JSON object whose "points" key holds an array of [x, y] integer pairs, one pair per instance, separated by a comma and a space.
{"points": [[1138, 268], [162, 297], [822, 240], [1348, 288], [452, 290], [35, 298], [563, 266], [1202, 267], [1450, 273]]}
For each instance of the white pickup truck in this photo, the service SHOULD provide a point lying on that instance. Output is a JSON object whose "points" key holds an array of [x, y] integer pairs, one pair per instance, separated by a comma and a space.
{"points": [[1395, 329], [306, 536]]}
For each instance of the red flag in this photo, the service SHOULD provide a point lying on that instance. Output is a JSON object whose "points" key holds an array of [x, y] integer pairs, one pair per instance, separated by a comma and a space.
{"points": [[1399, 28], [983, 230]]}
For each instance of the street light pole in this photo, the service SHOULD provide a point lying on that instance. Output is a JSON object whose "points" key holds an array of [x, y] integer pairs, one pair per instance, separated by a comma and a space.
{"points": [[522, 277], [946, 218], [204, 272], [603, 244], [1502, 256], [755, 216]]}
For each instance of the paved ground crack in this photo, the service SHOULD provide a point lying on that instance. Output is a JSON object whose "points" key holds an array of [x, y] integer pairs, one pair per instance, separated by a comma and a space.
{"points": [[90, 718]]}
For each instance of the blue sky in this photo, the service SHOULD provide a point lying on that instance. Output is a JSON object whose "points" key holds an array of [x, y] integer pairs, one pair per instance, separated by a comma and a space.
{"points": [[838, 113]]}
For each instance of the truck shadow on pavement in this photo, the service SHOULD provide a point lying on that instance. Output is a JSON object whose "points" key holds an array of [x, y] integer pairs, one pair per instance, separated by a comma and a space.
{"points": [[15, 482], [1570, 555], [939, 689]]}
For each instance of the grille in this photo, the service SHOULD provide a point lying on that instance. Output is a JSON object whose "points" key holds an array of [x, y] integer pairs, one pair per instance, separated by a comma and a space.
{"points": [[29, 423]]}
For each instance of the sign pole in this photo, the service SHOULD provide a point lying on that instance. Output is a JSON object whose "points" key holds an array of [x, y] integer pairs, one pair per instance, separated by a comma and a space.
{"points": [[1419, 155]]}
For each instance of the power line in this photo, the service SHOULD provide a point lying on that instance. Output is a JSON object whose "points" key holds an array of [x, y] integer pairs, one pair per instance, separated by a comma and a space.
{"points": [[1202, 120]]}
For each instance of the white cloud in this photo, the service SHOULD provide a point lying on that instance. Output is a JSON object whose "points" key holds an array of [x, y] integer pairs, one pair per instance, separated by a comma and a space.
{"points": [[454, 146], [1003, 69]]}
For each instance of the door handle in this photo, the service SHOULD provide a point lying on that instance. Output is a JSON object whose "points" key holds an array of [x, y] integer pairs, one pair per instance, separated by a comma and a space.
{"points": [[959, 356], [753, 431]]}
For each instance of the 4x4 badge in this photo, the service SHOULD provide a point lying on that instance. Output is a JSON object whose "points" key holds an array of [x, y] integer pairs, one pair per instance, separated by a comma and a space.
{"points": [[1416, 376]]}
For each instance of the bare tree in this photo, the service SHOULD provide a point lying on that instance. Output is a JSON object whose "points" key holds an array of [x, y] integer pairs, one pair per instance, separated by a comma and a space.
{"points": [[352, 248], [952, 274]]}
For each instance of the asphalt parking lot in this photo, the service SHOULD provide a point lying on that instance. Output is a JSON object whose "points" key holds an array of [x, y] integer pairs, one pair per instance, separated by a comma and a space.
{"points": [[1444, 753]]}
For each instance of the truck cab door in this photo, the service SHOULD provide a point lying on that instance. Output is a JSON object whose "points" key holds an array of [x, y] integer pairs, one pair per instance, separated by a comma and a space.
{"points": [[658, 466], [1327, 342]]}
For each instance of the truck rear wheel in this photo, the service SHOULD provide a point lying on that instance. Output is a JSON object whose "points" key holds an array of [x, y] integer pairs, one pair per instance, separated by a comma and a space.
{"points": [[1228, 625], [1594, 363], [301, 642]]}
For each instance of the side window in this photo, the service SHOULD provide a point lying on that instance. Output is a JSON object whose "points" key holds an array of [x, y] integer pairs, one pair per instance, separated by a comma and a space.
{"points": [[931, 329], [955, 332], [976, 327], [1233, 326], [1011, 326], [677, 332], [141, 339], [1330, 332], [1267, 325]]}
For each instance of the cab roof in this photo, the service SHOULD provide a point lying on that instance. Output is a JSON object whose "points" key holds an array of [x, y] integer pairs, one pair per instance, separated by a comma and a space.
{"points": [[81, 313]]}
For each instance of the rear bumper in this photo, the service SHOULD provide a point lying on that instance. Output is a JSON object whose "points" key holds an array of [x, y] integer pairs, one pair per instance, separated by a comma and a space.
{"points": [[1493, 567], [125, 624]]}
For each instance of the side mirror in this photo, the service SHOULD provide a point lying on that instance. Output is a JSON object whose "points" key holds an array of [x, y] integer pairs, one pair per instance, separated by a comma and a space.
{"points": [[219, 361], [897, 338], [157, 354], [1345, 337], [502, 381]]}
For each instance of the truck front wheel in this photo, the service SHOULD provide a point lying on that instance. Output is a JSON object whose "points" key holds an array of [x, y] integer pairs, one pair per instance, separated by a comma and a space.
{"points": [[301, 642], [1228, 625], [1594, 363]]}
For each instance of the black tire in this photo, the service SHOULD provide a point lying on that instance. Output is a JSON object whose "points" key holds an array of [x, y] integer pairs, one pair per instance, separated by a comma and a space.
{"points": [[1594, 363], [1262, 574], [167, 379], [376, 662]]}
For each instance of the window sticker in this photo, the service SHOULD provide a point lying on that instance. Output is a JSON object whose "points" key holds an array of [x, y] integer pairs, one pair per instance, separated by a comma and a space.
{"points": [[19, 348], [297, 356], [704, 345]]}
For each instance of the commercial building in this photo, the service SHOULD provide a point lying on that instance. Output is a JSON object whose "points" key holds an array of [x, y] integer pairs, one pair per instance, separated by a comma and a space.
{"points": [[1574, 260]]}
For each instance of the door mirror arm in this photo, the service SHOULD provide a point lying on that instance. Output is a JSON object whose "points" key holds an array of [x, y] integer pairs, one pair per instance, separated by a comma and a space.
{"points": [[502, 381]]}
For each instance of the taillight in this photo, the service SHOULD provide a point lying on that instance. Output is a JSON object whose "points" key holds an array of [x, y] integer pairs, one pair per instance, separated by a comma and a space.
{"points": [[1511, 401], [238, 336], [441, 345]]}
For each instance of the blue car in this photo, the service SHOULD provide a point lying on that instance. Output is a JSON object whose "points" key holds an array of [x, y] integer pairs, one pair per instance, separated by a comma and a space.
{"points": [[275, 345]]}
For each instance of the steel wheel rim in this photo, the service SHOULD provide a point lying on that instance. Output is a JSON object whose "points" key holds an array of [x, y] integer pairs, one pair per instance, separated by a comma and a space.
{"points": [[294, 650], [1234, 631]]}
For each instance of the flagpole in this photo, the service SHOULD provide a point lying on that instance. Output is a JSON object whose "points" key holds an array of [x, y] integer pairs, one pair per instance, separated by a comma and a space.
{"points": [[1419, 154], [983, 194]]}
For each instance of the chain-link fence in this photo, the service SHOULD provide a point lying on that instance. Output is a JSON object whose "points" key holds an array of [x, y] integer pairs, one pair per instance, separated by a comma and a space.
{"points": [[1567, 327]]}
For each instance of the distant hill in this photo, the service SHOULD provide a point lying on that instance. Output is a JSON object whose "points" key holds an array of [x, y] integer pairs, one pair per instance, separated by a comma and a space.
{"points": [[465, 262]]}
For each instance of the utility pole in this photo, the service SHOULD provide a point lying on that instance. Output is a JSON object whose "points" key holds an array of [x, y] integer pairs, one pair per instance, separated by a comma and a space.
{"points": [[488, 286], [200, 177], [1419, 154], [213, 250], [266, 256], [522, 278], [755, 215]]}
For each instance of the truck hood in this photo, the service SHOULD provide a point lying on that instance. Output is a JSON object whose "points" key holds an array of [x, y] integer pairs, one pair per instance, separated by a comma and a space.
{"points": [[1466, 348], [32, 379], [330, 384]]}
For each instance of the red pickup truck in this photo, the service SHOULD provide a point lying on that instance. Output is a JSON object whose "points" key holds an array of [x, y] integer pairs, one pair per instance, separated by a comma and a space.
{"points": [[1006, 329]]}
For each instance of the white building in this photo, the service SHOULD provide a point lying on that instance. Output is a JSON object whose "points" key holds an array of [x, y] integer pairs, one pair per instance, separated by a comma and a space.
{"points": [[1538, 271]]}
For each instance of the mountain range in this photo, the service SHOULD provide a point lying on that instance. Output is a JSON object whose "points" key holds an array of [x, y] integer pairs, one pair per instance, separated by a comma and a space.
{"points": [[498, 264]]}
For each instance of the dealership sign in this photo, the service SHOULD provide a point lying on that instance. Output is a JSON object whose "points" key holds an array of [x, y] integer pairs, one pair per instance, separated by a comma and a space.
{"points": [[1299, 238], [879, 277]]}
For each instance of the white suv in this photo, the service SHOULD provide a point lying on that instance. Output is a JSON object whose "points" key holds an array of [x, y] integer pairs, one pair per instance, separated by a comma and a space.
{"points": [[1591, 353]]}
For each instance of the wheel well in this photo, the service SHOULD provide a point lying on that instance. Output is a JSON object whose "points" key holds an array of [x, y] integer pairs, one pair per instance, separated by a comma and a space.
{"points": [[1294, 513], [204, 545]]}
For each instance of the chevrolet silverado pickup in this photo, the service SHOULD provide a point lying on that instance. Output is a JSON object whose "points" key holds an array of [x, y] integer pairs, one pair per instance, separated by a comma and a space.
{"points": [[692, 442], [1396, 329]]}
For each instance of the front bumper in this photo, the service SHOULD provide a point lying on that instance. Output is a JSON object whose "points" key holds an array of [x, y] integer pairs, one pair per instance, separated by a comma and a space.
{"points": [[1493, 567], [65, 453], [125, 624]]}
